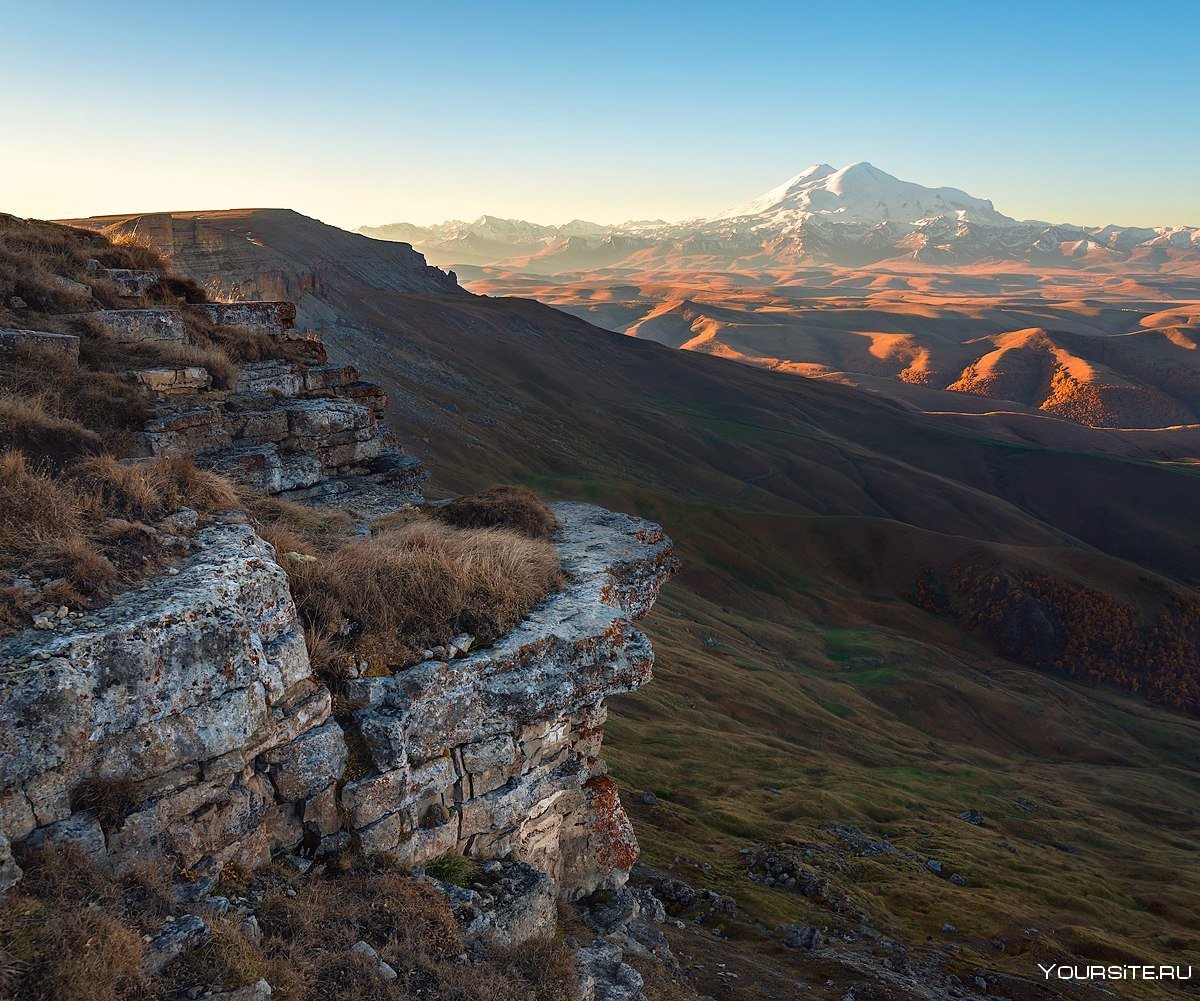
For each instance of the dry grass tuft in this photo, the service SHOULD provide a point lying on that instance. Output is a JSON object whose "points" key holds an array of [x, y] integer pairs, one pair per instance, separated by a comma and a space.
{"points": [[110, 801], [29, 425], [211, 357], [387, 597], [61, 411], [309, 526], [306, 941], [505, 506], [134, 252], [149, 490], [71, 932], [35, 508]]}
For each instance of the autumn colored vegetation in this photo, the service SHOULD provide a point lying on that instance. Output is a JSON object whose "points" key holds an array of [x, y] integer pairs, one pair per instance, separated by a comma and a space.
{"points": [[1058, 625], [71, 931]]}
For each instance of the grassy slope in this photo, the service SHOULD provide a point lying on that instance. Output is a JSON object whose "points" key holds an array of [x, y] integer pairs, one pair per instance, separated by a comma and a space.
{"points": [[801, 510]]}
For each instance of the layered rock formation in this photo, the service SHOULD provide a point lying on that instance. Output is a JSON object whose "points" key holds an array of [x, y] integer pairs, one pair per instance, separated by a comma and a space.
{"points": [[497, 753], [185, 721], [292, 425], [238, 262]]}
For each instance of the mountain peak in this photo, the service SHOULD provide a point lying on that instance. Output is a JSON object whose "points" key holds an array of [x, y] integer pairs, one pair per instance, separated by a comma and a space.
{"points": [[860, 193]]}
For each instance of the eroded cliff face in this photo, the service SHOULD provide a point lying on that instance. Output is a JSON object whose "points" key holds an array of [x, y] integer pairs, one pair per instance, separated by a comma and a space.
{"points": [[498, 753], [240, 257], [184, 720]]}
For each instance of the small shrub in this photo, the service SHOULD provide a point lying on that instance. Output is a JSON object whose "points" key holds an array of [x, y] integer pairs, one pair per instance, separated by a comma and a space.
{"points": [[506, 506], [457, 870]]}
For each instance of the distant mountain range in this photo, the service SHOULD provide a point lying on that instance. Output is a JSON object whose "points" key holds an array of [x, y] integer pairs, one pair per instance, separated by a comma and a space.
{"points": [[853, 216]]}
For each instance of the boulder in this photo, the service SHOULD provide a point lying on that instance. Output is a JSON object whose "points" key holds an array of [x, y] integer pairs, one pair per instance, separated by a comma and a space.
{"points": [[510, 904], [65, 345], [309, 763], [141, 326], [604, 975], [130, 283], [260, 316], [167, 695], [168, 381]]}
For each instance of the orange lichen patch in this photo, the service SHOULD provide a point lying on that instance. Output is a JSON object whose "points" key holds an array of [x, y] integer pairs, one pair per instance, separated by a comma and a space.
{"points": [[613, 841]]}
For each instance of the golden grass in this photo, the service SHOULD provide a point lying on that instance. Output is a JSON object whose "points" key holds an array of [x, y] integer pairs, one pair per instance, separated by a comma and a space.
{"points": [[151, 489], [211, 357], [385, 598], [504, 506], [137, 253], [82, 529], [61, 411], [308, 525]]}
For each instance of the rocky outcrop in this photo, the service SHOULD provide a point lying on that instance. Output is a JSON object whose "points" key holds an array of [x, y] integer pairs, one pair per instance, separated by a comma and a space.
{"points": [[184, 720], [163, 714], [269, 317], [290, 425], [141, 326], [65, 345], [497, 753], [128, 283]]}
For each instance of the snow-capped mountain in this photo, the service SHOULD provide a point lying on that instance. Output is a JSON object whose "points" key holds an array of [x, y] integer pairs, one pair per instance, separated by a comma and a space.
{"points": [[860, 193], [855, 215]]}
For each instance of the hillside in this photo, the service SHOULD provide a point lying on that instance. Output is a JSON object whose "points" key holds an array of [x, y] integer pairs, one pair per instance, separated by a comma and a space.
{"points": [[806, 690], [241, 658], [1090, 349]]}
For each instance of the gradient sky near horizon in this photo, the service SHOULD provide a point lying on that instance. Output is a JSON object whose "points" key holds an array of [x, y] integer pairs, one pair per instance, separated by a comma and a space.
{"points": [[364, 113]]}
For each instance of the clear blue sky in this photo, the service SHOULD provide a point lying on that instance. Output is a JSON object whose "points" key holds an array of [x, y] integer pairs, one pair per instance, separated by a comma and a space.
{"points": [[375, 112]]}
